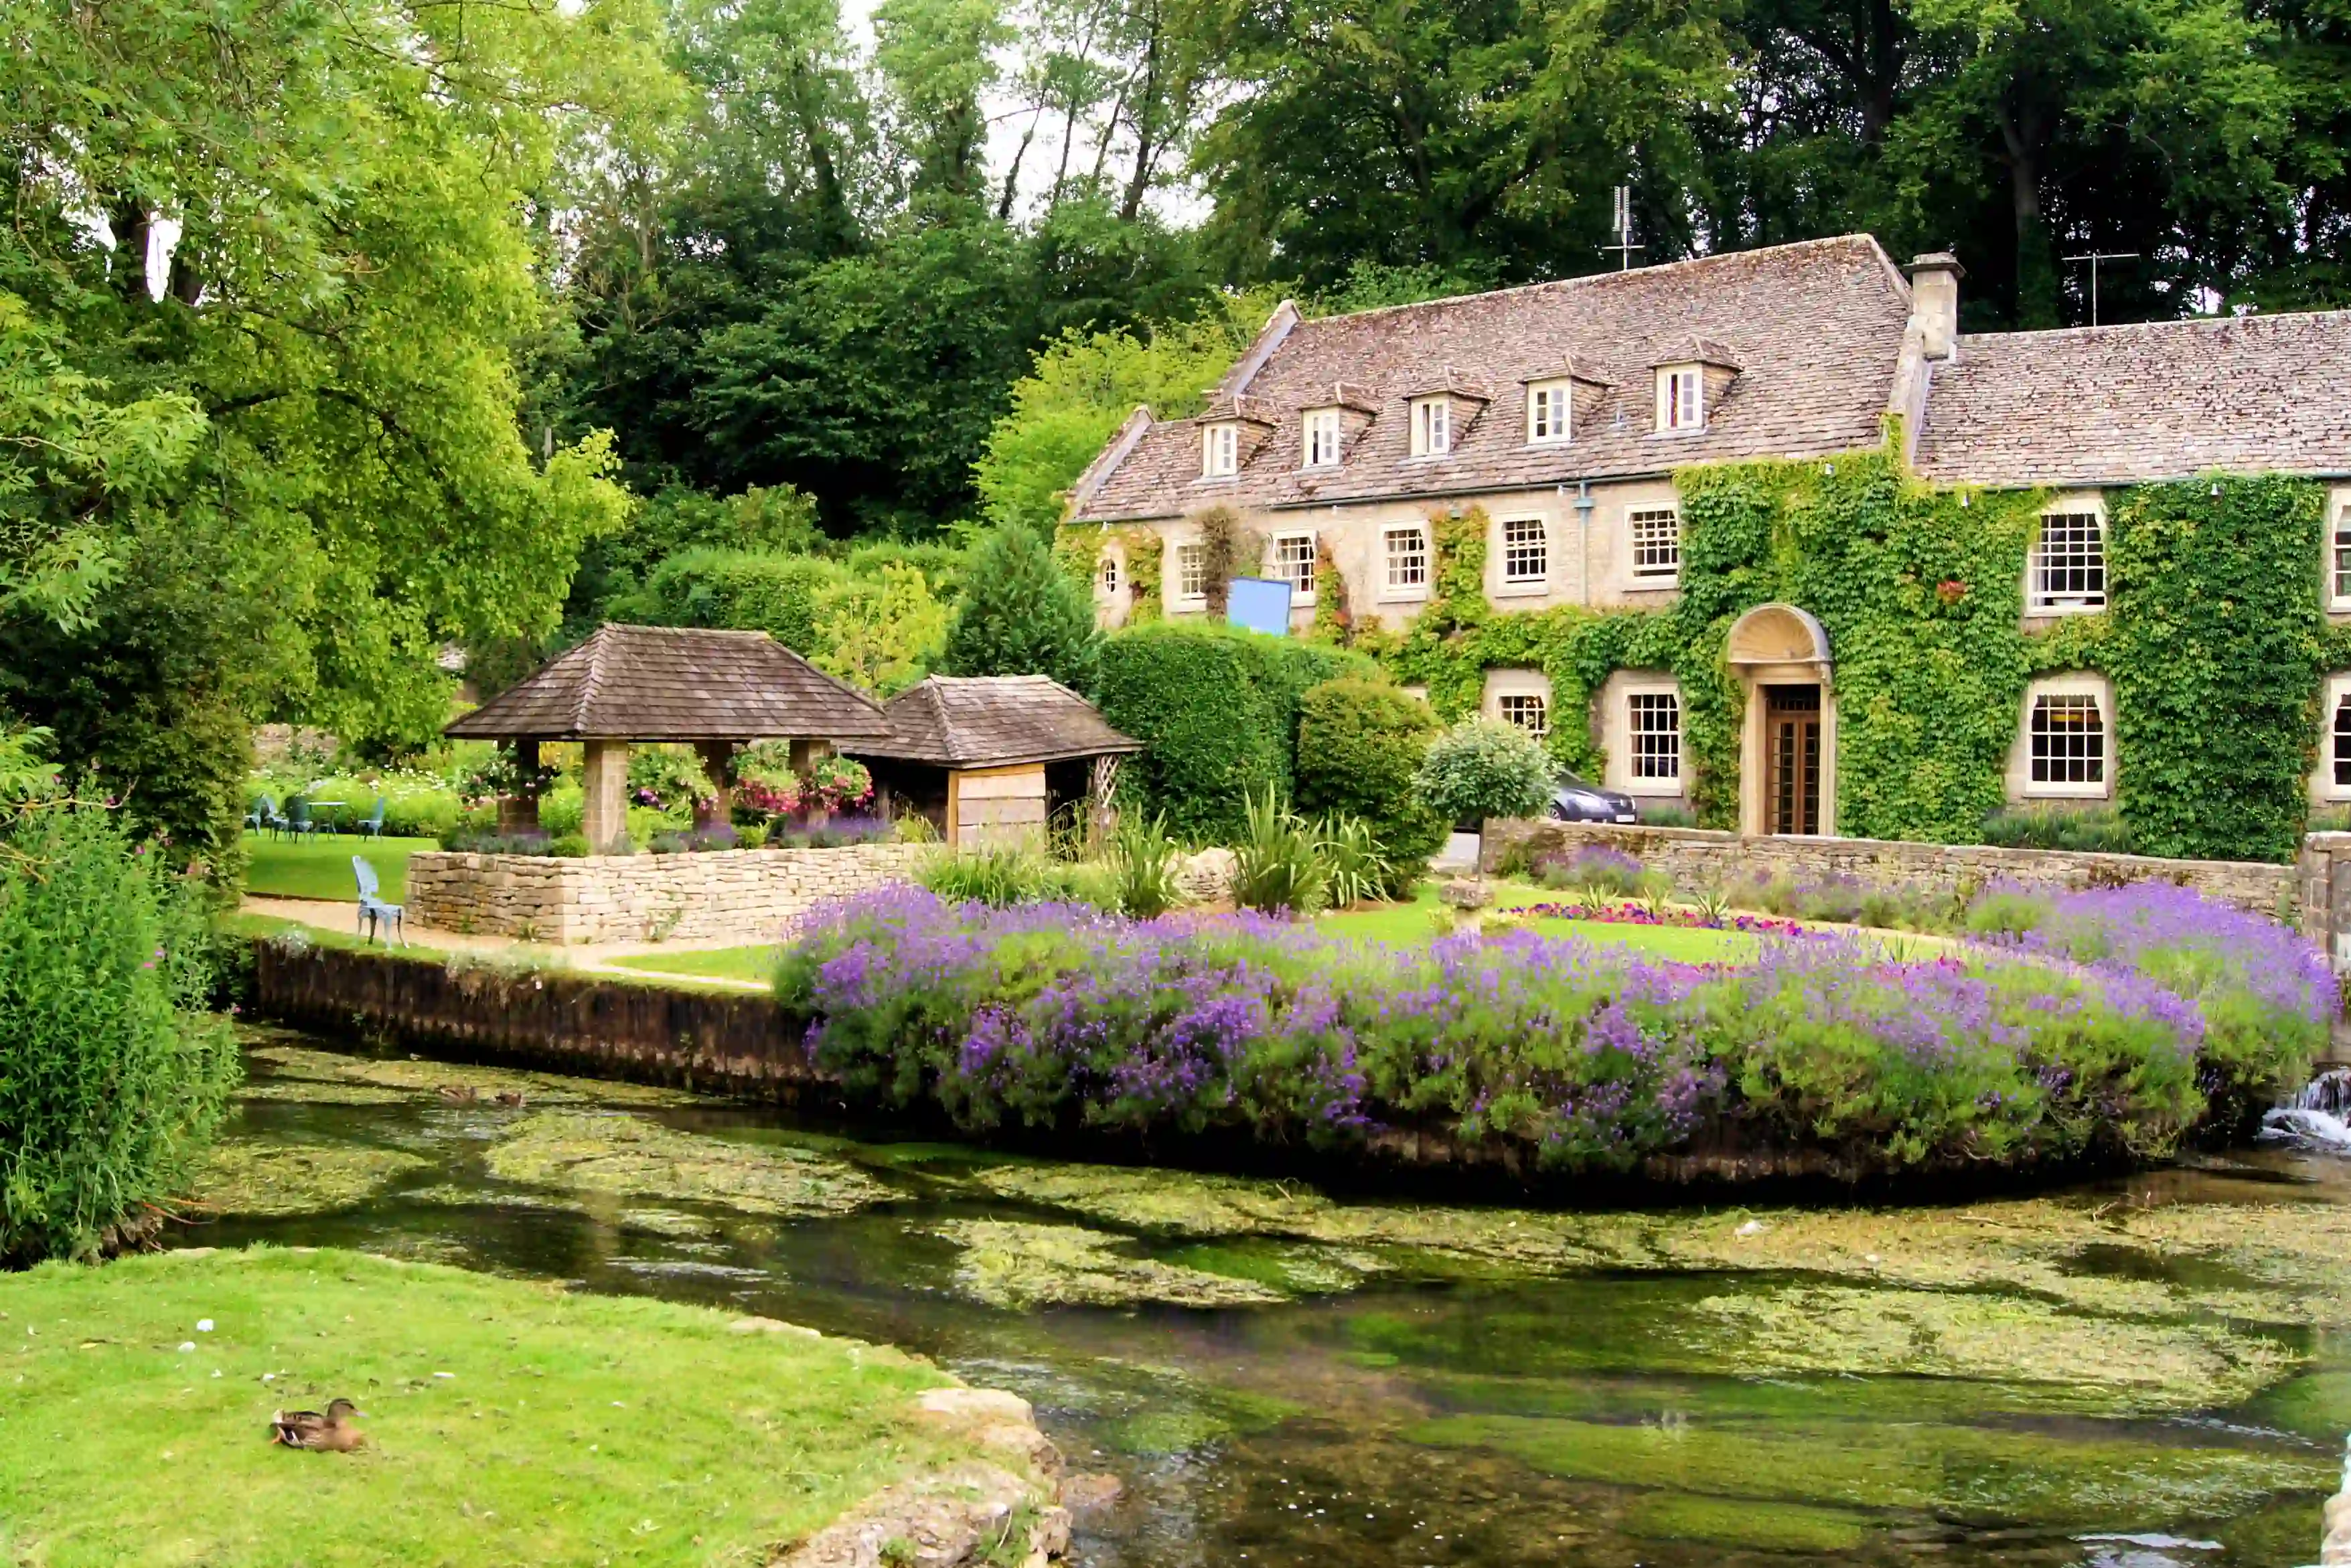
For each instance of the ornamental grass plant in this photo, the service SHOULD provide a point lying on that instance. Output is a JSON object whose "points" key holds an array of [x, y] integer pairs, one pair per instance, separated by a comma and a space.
{"points": [[113, 1076], [2112, 1037]]}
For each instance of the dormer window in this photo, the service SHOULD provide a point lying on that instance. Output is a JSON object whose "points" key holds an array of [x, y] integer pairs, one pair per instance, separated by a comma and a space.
{"points": [[1682, 397], [1220, 451], [1432, 426], [1322, 438], [1549, 407]]}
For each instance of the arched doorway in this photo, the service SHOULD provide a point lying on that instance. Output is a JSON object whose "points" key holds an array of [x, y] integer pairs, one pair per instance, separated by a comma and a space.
{"points": [[1787, 752]]}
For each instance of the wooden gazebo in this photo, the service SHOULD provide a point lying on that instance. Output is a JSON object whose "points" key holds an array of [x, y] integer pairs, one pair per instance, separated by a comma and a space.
{"points": [[713, 690], [988, 757]]}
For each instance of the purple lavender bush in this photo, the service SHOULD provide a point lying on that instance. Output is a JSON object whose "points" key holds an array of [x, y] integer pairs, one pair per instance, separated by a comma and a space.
{"points": [[2267, 996], [1566, 1056]]}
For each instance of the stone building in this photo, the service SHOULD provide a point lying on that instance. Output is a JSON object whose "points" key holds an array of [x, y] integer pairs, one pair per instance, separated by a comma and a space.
{"points": [[1562, 412]]}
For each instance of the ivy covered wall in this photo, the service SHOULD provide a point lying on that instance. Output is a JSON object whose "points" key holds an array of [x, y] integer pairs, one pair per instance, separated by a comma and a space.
{"points": [[2214, 639]]}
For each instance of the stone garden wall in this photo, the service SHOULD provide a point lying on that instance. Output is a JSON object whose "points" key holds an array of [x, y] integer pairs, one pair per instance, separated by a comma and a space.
{"points": [[1696, 857], [753, 895]]}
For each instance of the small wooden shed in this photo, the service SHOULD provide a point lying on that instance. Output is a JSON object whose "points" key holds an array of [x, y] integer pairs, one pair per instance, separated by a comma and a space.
{"points": [[988, 758], [713, 690]]}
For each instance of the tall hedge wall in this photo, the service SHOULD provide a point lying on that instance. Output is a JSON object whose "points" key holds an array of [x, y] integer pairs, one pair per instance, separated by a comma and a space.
{"points": [[752, 590], [1217, 710]]}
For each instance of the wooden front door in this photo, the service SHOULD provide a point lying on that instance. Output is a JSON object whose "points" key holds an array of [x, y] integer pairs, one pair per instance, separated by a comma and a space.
{"points": [[1791, 752]]}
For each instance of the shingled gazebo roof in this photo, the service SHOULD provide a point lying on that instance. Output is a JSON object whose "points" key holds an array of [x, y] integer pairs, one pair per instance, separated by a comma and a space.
{"points": [[994, 721], [677, 683]]}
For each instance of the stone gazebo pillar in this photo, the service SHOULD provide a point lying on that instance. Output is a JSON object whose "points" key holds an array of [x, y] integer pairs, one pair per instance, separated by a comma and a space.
{"points": [[604, 816]]}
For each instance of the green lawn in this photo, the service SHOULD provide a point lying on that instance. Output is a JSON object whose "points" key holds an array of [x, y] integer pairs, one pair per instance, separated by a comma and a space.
{"points": [[319, 867], [1406, 922], [714, 963], [1394, 923], [507, 1421]]}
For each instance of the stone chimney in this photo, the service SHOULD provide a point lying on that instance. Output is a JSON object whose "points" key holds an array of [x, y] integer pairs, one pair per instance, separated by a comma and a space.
{"points": [[1935, 302]]}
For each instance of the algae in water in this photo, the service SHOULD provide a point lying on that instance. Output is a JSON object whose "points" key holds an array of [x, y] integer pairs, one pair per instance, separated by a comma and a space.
{"points": [[1953, 1471], [2118, 1362], [1016, 1266], [617, 1153], [257, 1176]]}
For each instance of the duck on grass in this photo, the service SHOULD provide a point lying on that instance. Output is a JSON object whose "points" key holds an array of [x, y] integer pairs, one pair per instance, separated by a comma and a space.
{"points": [[2096, 1027]]}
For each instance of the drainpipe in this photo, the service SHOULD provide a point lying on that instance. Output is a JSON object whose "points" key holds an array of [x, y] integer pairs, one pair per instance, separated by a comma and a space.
{"points": [[1584, 531]]}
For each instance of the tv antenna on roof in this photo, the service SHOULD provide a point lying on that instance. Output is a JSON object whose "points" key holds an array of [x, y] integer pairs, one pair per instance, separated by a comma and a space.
{"points": [[1622, 226], [2094, 257]]}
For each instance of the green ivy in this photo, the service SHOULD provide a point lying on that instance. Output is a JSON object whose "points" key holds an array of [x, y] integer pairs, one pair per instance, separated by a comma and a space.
{"points": [[2214, 640], [2216, 660]]}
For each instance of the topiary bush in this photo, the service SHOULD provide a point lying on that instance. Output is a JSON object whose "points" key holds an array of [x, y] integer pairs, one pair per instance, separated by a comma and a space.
{"points": [[112, 1077], [1480, 769], [1360, 747], [1217, 710], [1020, 614]]}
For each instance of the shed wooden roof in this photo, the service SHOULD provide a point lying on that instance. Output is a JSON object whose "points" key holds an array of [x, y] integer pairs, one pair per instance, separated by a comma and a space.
{"points": [[994, 721], [677, 683]]}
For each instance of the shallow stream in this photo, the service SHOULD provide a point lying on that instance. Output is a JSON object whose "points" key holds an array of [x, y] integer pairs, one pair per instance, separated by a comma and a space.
{"points": [[2132, 1374]]}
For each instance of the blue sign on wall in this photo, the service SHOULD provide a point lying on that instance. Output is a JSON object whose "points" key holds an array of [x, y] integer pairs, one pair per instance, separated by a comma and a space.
{"points": [[1259, 605]]}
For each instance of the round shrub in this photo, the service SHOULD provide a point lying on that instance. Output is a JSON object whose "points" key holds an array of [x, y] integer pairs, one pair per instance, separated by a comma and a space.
{"points": [[112, 1077], [1360, 747], [1480, 769]]}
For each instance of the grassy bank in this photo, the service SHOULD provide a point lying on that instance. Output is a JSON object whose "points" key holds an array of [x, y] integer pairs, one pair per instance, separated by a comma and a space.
{"points": [[319, 867], [507, 1422]]}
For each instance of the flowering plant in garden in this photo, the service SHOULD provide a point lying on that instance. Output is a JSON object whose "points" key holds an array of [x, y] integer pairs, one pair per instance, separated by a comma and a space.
{"points": [[835, 784], [1667, 915], [2265, 995], [1579, 1057]]}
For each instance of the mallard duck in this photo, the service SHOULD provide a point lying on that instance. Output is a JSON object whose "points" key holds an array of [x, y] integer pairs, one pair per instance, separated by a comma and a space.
{"points": [[309, 1429], [457, 1094]]}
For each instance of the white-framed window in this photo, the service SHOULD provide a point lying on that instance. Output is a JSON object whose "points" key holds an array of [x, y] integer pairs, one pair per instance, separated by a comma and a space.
{"points": [[1406, 550], [1652, 722], [1655, 533], [1293, 562], [1550, 405], [1192, 570], [1432, 427], [1682, 397], [2338, 556], [1526, 552], [2066, 744], [1323, 437], [2338, 746], [1220, 451], [1106, 574], [2068, 565], [1530, 711]]}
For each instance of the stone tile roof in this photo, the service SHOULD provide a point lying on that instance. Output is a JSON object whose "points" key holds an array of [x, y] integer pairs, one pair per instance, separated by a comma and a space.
{"points": [[994, 721], [677, 683], [1817, 327], [2159, 400]]}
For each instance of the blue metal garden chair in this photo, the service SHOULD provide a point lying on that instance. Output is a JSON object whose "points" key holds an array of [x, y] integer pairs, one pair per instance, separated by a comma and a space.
{"points": [[373, 911], [298, 819], [263, 815], [371, 825]]}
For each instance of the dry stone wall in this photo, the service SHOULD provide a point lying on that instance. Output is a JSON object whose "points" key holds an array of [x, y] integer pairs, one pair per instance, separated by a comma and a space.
{"points": [[755, 895], [1697, 858]]}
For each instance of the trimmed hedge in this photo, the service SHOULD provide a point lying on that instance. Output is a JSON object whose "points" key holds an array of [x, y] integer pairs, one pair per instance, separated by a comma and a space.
{"points": [[1217, 710], [1360, 747], [749, 590]]}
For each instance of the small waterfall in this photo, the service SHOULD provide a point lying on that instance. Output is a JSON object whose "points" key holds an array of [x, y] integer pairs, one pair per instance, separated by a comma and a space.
{"points": [[2335, 1548], [2315, 1118]]}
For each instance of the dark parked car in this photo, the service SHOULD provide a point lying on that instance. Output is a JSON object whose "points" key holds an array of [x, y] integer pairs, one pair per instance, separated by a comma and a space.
{"points": [[1575, 801]]}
